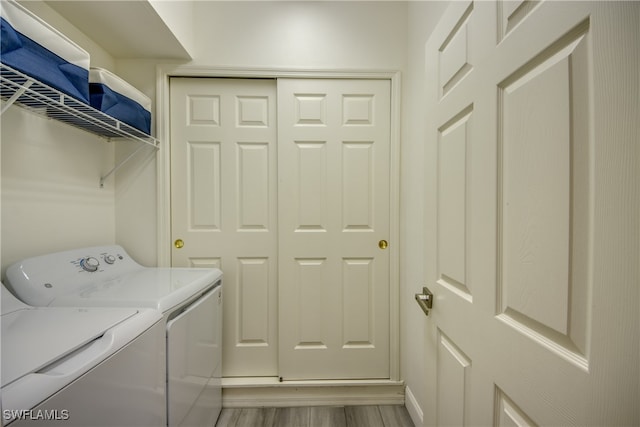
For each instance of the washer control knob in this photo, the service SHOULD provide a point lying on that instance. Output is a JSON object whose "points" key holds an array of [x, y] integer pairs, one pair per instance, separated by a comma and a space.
{"points": [[89, 264], [109, 259]]}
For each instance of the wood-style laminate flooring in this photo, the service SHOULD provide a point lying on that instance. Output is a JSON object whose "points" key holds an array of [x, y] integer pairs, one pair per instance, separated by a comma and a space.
{"points": [[317, 416]]}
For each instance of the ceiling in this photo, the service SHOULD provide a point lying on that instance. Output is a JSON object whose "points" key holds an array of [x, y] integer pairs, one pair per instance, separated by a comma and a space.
{"points": [[125, 29]]}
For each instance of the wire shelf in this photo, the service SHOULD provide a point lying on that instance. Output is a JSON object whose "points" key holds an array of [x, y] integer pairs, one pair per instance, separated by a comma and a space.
{"points": [[42, 99]]}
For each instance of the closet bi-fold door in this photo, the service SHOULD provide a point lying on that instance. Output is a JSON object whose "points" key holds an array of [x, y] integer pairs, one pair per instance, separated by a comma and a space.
{"points": [[224, 206], [333, 198]]}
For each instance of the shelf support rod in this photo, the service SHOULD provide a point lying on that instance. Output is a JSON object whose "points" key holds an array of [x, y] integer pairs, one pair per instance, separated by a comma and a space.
{"points": [[16, 95], [119, 165]]}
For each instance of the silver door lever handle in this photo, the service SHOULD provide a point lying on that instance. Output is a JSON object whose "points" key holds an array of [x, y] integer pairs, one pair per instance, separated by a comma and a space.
{"points": [[425, 300]]}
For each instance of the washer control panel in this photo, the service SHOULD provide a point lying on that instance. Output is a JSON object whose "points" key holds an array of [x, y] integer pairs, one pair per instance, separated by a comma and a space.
{"points": [[97, 262], [38, 280]]}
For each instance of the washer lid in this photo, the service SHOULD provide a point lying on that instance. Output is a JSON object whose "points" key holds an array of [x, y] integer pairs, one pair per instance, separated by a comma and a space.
{"points": [[158, 288], [33, 338]]}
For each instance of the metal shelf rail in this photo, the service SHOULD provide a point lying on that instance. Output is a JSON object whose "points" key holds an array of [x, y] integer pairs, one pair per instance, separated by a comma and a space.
{"points": [[42, 99]]}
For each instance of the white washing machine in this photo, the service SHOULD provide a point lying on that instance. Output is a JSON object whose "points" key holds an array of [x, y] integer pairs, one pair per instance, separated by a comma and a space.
{"points": [[81, 367], [190, 300]]}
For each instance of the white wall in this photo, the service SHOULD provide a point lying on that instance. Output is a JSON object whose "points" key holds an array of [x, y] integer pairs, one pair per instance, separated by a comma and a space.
{"points": [[422, 19], [136, 190], [99, 56], [325, 35], [178, 16], [51, 199]]}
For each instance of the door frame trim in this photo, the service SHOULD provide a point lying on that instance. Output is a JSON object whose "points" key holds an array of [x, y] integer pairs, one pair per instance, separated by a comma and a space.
{"points": [[163, 200]]}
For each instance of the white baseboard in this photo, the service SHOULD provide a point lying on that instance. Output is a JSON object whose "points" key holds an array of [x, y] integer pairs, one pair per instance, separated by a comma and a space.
{"points": [[269, 392], [413, 407]]}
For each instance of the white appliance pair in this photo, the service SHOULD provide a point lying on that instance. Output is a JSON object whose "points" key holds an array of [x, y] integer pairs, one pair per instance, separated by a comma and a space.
{"points": [[189, 301]]}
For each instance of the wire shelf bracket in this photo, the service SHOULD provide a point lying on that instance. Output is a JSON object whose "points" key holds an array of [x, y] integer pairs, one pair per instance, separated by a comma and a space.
{"points": [[119, 165]]}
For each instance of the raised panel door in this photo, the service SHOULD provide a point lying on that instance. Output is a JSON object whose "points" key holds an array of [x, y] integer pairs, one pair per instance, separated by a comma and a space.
{"points": [[224, 206], [333, 168], [532, 179]]}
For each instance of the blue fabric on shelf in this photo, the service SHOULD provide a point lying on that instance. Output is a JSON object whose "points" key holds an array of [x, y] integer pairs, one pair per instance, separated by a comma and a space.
{"points": [[9, 39], [119, 107], [29, 57]]}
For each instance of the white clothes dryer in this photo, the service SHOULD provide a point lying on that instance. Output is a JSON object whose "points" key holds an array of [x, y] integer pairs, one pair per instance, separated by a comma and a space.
{"points": [[190, 300], [80, 367]]}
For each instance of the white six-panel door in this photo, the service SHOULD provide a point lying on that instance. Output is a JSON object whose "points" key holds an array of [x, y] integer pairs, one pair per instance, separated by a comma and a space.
{"points": [[532, 214], [224, 206], [333, 168], [294, 225]]}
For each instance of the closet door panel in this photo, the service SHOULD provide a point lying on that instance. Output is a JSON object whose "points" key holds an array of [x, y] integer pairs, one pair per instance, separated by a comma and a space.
{"points": [[333, 168], [224, 206]]}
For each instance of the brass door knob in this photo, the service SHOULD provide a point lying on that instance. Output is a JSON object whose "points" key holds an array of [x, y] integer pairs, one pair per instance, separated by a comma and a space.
{"points": [[382, 244], [179, 244]]}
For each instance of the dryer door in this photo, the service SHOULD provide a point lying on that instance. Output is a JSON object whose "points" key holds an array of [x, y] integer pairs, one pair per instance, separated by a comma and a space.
{"points": [[192, 353]]}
